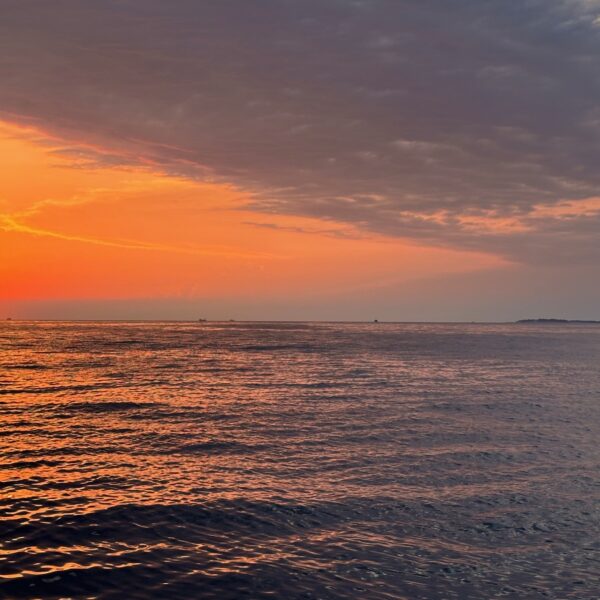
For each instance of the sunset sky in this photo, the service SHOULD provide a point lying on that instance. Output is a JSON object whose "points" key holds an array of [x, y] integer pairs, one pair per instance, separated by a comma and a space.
{"points": [[300, 159]]}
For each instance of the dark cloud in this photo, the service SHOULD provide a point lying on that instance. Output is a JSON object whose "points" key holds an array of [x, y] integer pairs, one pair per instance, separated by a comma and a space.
{"points": [[399, 116]]}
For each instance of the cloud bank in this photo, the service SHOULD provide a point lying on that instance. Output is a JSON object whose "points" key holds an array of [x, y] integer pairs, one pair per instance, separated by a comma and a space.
{"points": [[473, 124]]}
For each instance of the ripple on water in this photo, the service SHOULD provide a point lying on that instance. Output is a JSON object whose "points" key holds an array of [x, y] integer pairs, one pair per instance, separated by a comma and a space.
{"points": [[231, 460]]}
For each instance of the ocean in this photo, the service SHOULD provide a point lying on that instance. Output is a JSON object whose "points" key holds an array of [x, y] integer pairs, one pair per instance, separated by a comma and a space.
{"points": [[299, 460]]}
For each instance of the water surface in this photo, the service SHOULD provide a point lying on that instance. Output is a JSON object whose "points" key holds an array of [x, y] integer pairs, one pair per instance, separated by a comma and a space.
{"points": [[232, 460]]}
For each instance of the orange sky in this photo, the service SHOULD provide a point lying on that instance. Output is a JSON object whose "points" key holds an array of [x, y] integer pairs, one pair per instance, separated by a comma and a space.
{"points": [[70, 228]]}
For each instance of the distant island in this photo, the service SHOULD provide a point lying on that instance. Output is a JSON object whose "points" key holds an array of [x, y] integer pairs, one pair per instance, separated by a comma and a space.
{"points": [[550, 321]]}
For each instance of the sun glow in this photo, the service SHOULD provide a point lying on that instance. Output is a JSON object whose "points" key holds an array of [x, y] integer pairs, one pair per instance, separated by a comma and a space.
{"points": [[77, 223]]}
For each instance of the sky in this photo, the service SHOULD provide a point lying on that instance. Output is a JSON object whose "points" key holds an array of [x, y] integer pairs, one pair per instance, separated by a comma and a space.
{"points": [[300, 159]]}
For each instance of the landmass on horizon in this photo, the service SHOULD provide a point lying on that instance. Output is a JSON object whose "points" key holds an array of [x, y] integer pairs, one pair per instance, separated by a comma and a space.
{"points": [[551, 321]]}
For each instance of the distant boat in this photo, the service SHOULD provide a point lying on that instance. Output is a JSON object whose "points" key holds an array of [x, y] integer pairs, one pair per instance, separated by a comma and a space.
{"points": [[375, 321], [9, 318], [201, 320]]}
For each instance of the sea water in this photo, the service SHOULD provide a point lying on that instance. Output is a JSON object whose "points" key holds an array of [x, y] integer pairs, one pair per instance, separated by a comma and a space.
{"points": [[299, 460]]}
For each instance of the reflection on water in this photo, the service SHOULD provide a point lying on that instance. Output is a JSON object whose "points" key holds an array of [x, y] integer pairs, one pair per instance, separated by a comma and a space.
{"points": [[179, 460]]}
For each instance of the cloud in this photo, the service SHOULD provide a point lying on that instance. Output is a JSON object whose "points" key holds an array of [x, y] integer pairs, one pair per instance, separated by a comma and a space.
{"points": [[447, 122], [9, 223]]}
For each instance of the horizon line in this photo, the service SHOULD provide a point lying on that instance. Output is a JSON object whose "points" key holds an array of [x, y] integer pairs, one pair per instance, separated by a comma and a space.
{"points": [[372, 321]]}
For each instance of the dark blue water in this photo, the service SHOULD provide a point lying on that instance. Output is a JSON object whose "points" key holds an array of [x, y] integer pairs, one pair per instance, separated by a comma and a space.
{"points": [[235, 460]]}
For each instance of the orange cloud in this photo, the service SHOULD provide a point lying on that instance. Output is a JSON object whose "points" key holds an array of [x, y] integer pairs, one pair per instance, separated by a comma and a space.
{"points": [[568, 209], [71, 227]]}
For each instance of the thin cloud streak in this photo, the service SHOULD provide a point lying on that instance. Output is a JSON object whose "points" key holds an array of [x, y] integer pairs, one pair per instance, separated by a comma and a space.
{"points": [[8, 223]]}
